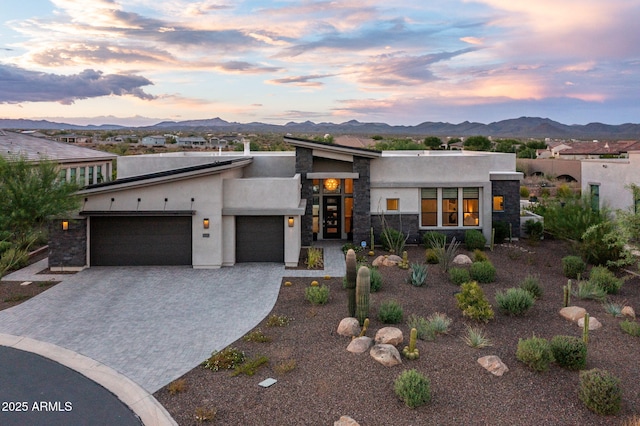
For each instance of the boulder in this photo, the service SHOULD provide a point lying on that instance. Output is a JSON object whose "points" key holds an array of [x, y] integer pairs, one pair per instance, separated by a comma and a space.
{"points": [[493, 364], [462, 259], [360, 345], [573, 313], [346, 421], [594, 324], [628, 311], [394, 258], [349, 327], [378, 261], [389, 336], [389, 262], [386, 355]]}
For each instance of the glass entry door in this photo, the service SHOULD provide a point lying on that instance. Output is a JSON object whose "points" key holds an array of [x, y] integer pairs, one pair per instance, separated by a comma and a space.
{"points": [[332, 226]]}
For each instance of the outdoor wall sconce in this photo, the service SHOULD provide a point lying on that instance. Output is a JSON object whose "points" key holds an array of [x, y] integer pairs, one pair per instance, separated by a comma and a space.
{"points": [[331, 184], [65, 225], [290, 221], [205, 223]]}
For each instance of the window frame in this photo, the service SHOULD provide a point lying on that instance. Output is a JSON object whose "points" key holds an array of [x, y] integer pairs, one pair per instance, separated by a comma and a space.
{"points": [[443, 196]]}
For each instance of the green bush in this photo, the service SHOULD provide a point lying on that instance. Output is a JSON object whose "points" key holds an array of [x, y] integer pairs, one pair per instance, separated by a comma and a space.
{"points": [[531, 284], [393, 240], [602, 243], [227, 359], [429, 237], [417, 274], [514, 301], [439, 323], [589, 290], [630, 327], [413, 388], [501, 231], [422, 326], [535, 352], [483, 272], [533, 229], [318, 295], [474, 239], [473, 303], [600, 391], [572, 266], [569, 352], [390, 312], [375, 280], [459, 275], [524, 192], [605, 279], [480, 256], [431, 256]]}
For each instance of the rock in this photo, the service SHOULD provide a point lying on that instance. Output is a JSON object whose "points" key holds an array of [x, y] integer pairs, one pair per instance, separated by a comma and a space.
{"points": [[349, 327], [386, 355], [389, 262], [378, 261], [394, 258], [628, 311], [573, 313], [462, 259], [493, 364], [389, 336], [594, 324], [346, 421], [360, 345]]}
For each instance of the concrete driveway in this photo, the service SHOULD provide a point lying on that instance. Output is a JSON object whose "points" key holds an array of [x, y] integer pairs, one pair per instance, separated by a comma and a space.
{"points": [[151, 324]]}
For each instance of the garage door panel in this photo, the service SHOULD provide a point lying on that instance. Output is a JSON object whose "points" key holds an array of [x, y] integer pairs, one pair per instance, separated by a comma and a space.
{"points": [[154, 240], [259, 239]]}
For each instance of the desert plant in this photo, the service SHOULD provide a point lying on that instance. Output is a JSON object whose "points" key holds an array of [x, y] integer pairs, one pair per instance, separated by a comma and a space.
{"points": [[531, 283], [533, 229], [393, 240], [535, 352], [365, 327], [480, 256], [350, 246], [363, 288], [431, 257], [567, 293], [476, 338], [473, 303], [317, 295], [177, 386], [432, 239], [256, 336], [390, 312], [501, 231], [474, 239], [524, 192], [569, 352], [572, 266], [612, 308], [630, 327], [314, 258], [226, 359], [570, 218], [514, 301], [600, 391], [250, 366], [423, 327], [589, 290], [278, 320], [459, 275], [605, 279], [285, 366], [413, 388], [439, 323], [585, 329], [404, 263], [482, 272], [205, 414], [445, 253], [350, 281], [418, 274], [375, 280], [411, 352], [603, 244]]}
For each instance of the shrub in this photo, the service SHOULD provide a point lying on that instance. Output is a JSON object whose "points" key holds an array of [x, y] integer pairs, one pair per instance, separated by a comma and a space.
{"points": [[390, 312], [473, 239], [501, 231], [569, 352], [439, 323], [314, 258], [601, 244], [422, 326], [630, 327], [250, 366], [256, 336], [605, 279], [226, 359], [600, 391], [533, 229], [524, 192], [514, 301], [531, 284], [473, 303], [413, 388], [483, 272], [350, 246], [480, 256], [459, 275], [318, 295], [612, 308], [177, 386], [418, 274], [589, 290], [375, 278], [431, 256], [572, 266], [445, 253], [278, 321], [393, 240], [432, 239], [285, 366], [476, 338], [535, 352], [205, 414]]}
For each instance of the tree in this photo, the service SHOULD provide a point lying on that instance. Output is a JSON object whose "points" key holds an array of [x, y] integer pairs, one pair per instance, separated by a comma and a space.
{"points": [[433, 142], [506, 145], [31, 194], [477, 143]]}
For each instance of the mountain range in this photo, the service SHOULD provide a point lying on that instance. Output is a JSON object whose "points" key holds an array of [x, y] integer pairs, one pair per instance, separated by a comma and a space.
{"points": [[532, 127]]}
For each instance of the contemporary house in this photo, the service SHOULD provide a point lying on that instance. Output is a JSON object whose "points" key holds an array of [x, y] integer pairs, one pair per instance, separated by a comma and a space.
{"points": [[209, 209], [153, 140], [607, 182]]}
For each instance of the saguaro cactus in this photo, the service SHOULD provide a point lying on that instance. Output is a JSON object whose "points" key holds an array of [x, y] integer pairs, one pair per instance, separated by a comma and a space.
{"points": [[567, 294], [363, 287], [351, 282]]}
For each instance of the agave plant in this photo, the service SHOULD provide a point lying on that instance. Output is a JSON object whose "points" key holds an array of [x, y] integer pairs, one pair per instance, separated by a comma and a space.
{"points": [[417, 274]]}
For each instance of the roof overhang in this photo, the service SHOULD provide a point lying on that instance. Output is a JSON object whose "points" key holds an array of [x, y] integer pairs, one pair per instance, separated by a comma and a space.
{"points": [[111, 213], [332, 148]]}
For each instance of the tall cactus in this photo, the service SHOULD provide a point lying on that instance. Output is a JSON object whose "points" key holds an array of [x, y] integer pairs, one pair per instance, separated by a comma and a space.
{"points": [[411, 352], [585, 329], [363, 287], [351, 281], [567, 294]]}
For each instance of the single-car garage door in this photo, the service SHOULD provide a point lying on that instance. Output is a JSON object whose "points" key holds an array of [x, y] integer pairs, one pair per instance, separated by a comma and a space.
{"points": [[140, 240], [259, 239]]}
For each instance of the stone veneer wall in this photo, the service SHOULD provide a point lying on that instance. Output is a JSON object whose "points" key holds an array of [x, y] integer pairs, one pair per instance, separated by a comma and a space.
{"points": [[510, 190], [68, 248], [304, 165], [407, 223], [361, 200]]}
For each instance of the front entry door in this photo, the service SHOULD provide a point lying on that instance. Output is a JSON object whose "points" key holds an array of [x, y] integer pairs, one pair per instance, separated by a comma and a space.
{"points": [[332, 217]]}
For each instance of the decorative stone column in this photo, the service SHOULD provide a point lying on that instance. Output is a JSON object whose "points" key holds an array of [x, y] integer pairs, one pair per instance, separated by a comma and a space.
{"points": [[361, 200], [510, 190], [304, 165], [68, 248]]}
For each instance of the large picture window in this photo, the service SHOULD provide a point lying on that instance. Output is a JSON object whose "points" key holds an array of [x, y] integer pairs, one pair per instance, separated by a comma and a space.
{"points": [[450, 207], [471, 206], [429, 207], [455, 207]]}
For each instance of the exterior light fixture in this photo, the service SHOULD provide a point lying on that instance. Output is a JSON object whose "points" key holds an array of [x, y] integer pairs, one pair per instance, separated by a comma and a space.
{"points": [[205, 223], [331, 184], [65, 225], [290, 221]]}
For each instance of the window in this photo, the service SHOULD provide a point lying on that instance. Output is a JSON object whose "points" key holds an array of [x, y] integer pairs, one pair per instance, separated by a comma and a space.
{"points": [[429, 207], [595, 197], [393, 204], [450, 207], [470, 207], [91, 175], [498, 203], [82, 175], [72, 174], [62, 174], [99, 173]]}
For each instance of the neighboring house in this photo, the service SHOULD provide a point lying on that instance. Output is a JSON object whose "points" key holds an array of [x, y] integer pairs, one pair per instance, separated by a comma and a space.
{"points": [[191, 141], [354, 141], [596, 149], [122, 138], [84, 165], [153, 140], [607, 180], [206, 210], [73, 138]]}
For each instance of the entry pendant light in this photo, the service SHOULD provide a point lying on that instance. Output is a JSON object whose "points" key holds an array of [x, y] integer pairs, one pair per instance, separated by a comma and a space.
{"points": [[331, 184]]}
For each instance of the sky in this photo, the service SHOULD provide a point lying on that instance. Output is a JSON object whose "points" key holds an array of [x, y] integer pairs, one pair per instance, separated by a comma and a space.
{"points": [[138, 62]]}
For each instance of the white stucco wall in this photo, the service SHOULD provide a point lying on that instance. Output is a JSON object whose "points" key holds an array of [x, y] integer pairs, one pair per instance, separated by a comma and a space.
{"points": [[612, 176]]}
